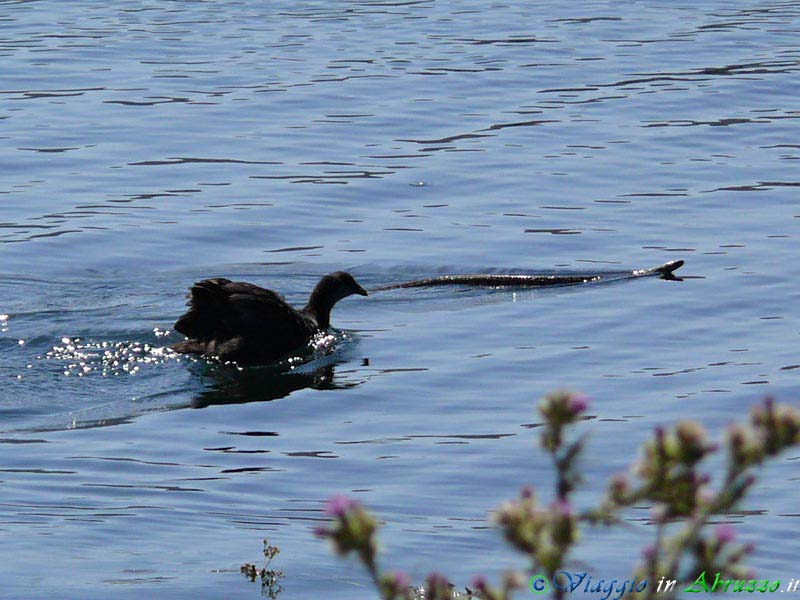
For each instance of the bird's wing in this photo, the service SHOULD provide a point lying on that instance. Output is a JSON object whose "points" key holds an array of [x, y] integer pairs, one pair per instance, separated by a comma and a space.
{"points": [[264, 314], [220, 309]]}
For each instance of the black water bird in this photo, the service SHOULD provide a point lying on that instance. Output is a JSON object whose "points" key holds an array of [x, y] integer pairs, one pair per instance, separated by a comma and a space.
{"points": [[247, 324]]}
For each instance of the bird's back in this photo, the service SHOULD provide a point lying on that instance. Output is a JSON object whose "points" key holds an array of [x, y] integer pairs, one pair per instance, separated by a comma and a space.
{"points": [[241, 322]]}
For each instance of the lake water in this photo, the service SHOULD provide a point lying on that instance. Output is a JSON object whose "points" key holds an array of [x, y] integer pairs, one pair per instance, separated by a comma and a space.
{"points": [[145, 145]]}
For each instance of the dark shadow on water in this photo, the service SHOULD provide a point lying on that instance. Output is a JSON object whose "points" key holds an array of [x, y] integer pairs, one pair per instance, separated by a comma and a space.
{"points": [[229, 385]]}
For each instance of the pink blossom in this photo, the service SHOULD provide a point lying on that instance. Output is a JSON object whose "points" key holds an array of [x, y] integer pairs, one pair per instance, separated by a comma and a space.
{"points": [[400, 580], [577, 403], [479, 583], [725, 534], [339, 505]]}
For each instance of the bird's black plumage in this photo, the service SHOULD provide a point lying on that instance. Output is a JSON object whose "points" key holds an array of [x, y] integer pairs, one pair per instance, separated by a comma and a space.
{"points": [[247, 324]]}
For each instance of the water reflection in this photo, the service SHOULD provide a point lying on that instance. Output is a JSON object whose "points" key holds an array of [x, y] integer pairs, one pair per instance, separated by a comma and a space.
{"points": [[228, 385]]}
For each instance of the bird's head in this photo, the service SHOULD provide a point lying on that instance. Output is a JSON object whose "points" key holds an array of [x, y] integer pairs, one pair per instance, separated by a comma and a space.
{"points": [[330, 289]]}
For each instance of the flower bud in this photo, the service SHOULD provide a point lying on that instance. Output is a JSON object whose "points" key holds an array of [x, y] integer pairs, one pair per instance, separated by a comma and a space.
{"points": [[725, 534], [692, 444], [744, 448], [338, 506], [396, 586], [619, 488], [353, 528], [437, 587], [562, 407], [480, 583], [564, 524]]}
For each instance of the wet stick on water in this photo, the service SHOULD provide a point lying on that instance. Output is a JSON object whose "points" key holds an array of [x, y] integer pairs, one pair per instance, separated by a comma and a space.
{"points": [[517, 280]]}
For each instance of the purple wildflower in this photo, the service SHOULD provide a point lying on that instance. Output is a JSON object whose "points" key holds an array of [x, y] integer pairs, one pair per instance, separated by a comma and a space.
{"points": [[562, 508], [437, 587], [725, 534], [479, 583], [322, 532], [400, 580], [577, 403], [649, 553], [340, 505]]}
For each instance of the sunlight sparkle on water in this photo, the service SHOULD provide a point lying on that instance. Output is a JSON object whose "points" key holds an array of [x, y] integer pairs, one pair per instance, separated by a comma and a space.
{"points": [[107, 358]]}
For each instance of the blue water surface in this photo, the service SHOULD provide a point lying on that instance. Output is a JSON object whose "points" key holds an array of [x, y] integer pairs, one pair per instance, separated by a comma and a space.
{"points": [[145, 145]]}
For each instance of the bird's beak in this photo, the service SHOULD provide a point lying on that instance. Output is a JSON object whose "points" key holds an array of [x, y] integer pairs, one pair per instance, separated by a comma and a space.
{"points": [[361, 291]]}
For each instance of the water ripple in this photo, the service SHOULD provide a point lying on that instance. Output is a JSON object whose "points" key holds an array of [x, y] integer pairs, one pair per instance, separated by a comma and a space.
{"points": [[148, 145]]}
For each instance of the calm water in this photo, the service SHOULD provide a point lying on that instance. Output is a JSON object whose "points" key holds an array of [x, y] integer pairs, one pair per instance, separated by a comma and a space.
{"points": [[144, 145]]}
